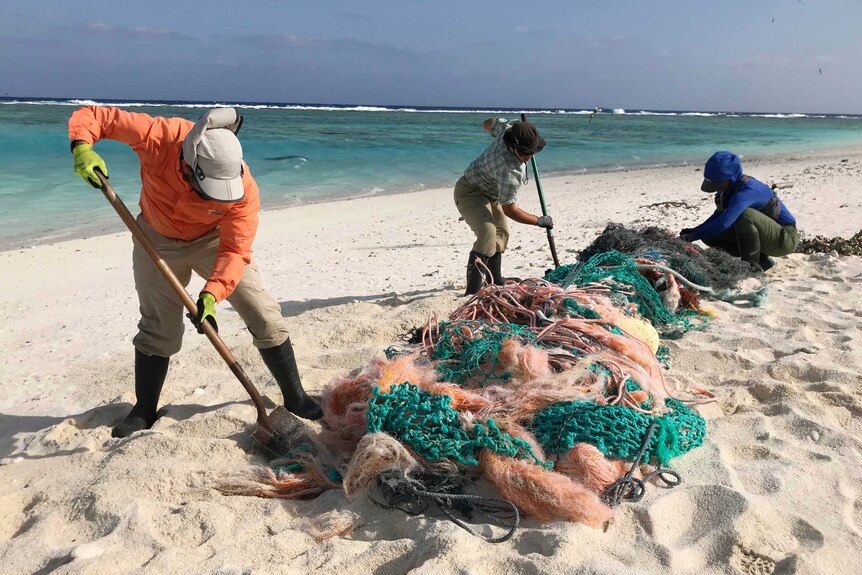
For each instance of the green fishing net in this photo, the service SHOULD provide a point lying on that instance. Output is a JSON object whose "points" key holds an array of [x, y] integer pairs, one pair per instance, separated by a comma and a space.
{"points": [[707, 267], [429, 425], [620, 273], [468, 350], [574, 309], [618, 431]]}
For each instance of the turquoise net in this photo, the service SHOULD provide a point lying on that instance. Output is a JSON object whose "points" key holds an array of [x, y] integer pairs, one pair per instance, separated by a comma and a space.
{"points": [[618, 431], [429, 425], [468, 350], [620, 273]]}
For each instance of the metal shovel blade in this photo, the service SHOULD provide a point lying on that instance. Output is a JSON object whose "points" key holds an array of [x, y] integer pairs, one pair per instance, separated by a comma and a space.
{"points": [[282, 434]]}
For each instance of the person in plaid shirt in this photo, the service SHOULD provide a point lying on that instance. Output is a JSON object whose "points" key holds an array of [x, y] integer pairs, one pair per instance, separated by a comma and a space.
{"points": [[485, 195]]}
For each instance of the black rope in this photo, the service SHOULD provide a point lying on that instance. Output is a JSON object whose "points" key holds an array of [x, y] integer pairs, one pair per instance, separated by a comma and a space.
{"points": [[392, 352], [414, 495], [632, 489]]}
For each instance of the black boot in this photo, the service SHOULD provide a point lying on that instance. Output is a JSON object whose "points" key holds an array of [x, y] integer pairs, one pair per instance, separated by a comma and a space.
{"points": [[766, 262], [494, 263], [749, 250], [282, 364], [475, 275], [150, 372]]}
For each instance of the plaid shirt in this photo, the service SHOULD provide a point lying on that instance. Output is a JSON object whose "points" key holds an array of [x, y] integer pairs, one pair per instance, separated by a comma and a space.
{"points": [[497, 172]]}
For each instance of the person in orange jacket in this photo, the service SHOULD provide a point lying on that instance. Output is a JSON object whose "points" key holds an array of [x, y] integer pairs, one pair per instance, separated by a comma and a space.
{"points": [[199, 207]]}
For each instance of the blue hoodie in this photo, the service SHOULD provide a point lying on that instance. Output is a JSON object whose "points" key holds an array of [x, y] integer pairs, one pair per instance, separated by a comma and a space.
{"points": [[741, 195]]}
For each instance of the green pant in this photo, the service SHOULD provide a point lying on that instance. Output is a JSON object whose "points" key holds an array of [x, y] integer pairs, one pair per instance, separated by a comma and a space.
{"points": [[755, 233], [484, 216]]}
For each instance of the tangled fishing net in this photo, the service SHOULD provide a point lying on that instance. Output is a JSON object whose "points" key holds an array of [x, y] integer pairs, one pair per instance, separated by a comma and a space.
{"points": [[552, 389], [708, 267]]}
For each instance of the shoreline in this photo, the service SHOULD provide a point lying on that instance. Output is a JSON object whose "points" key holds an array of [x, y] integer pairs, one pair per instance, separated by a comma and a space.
{"points": [[550, 110], [749, 160]]}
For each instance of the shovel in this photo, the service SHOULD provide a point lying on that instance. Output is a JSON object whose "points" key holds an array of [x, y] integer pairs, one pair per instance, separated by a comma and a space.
{"points": [[277, 433]]}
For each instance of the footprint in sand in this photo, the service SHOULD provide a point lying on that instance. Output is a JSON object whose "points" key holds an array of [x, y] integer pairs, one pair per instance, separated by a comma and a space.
{"points": [[539, 541], [685, 516], [14, 520], [798, 367]]}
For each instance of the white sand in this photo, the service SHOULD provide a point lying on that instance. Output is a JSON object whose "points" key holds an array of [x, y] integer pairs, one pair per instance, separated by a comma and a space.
{"points": [[775, 489]]}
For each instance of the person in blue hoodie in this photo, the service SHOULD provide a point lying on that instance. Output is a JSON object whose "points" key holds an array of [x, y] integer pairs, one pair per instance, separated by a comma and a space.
{"points": [[749, 222]]}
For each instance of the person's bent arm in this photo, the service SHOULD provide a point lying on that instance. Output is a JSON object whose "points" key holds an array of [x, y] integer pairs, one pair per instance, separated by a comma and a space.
{"points": [[496, 126], [89, 124], [721, 221], [522, 217], [236, 236]]}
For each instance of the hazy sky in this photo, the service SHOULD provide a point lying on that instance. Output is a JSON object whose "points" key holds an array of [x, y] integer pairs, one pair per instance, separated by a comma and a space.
{"points": [[737, 55]]}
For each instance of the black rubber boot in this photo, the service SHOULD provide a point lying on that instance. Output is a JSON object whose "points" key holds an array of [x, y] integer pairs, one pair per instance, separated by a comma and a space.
{"points": [[766, 262], [475, 277], [282, 364], [494, 263], [749, 250], [150, 372]]}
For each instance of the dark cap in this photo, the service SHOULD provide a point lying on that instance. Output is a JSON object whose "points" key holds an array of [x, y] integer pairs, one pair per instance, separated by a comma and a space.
{"points": [[523, 137], [721, 167]]}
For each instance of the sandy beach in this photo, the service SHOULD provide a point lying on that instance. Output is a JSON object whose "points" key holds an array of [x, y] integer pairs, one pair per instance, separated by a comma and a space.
{"points": [[774, 489]]}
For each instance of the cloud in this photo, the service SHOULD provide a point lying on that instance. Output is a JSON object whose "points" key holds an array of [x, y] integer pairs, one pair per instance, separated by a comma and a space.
{"points": [[102, 30]]}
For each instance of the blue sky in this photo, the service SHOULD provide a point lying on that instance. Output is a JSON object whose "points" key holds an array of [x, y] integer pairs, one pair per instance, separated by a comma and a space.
{"points": [[670, 55]]}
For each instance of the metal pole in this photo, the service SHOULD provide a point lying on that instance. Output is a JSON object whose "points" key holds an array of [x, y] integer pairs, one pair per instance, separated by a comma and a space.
{"points": [[551, 243]]}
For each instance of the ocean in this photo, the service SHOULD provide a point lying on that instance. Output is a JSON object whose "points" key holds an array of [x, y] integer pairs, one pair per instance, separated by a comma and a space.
{"points": [[308, 153]]}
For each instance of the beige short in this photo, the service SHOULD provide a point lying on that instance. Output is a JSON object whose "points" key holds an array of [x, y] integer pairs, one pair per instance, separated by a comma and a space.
{"points": [[484, 216], [160, 331]]}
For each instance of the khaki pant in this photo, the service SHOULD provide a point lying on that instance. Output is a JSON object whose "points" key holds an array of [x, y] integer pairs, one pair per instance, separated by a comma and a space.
{"points": [[160, 331], [484, 216], [775, 239]]}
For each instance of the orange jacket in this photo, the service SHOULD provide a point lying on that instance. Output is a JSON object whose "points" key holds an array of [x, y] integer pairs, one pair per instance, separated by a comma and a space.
{"points": [[168, 202]]}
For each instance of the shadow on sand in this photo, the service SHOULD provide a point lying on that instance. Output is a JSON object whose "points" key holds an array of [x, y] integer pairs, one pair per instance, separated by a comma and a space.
{"points": [[13, 426], [392, 299]]}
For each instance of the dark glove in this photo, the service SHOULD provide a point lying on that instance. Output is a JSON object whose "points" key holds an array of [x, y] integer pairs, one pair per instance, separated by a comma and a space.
{"points": [[206, 311], [685, 233], [545, 222]]}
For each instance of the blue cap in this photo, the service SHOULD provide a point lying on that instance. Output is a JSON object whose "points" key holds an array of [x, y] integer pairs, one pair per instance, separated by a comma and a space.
{"points": [[720, 167]]}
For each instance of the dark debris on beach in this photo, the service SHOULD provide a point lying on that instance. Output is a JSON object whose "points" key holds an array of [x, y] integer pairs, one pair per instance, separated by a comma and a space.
{"points": [[844, 247]]}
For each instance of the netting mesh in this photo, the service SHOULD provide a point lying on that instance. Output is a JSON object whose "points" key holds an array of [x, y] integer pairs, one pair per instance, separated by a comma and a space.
{"points": [[620, 273], [573, 308], [709, 267], [619, 431], [428, 424], [468, 350]]}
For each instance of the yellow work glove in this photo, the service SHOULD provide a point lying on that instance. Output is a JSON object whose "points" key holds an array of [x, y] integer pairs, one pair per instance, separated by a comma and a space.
{"points": [[206, 311], [87, 161]]}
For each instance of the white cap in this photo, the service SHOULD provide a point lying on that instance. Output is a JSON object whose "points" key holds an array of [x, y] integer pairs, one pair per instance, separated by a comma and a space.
{"points": [[215, 155]]}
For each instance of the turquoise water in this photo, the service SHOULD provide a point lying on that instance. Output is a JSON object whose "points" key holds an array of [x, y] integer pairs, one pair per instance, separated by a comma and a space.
{"points": [[313, 153]]}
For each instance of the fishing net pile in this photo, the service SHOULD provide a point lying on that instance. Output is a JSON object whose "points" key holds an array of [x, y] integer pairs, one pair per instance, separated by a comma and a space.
{"points": [[552, 389], [703, 266], [661, 274]]}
